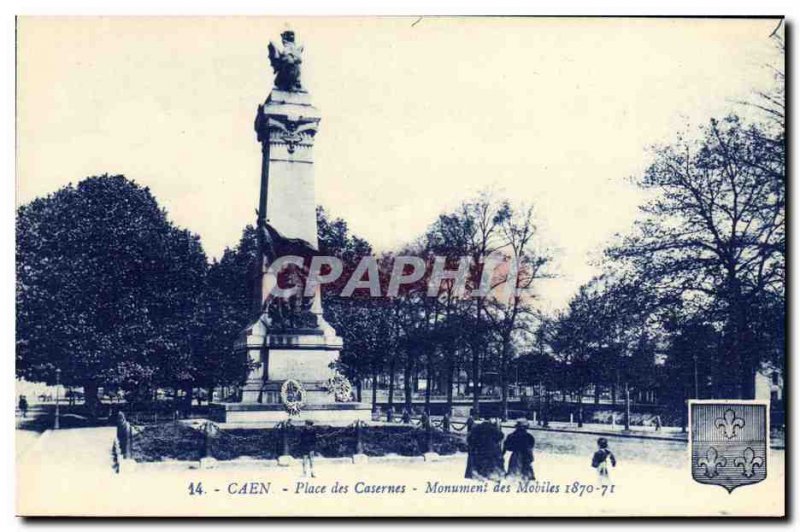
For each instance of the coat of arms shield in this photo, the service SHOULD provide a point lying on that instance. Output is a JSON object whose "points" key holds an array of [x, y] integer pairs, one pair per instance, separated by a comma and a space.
{"points": [[729, 442]]}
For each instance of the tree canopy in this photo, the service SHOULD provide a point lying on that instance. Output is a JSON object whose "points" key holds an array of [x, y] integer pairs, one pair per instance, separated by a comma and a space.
{"points": [[107, 287]]}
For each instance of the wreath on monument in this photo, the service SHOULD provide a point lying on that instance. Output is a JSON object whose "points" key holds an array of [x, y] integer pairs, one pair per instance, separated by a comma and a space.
{"points": [[340, 388], [293, 396]]}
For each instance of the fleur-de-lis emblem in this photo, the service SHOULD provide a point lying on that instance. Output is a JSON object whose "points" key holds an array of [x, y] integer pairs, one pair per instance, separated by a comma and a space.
{"points": [[748, 462], [729, 442], [711, 462], [729, 423]]}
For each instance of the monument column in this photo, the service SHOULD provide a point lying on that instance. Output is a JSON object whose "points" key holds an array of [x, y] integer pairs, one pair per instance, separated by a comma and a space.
{"points": [[286, 125], [301, 346], [291, 346]]}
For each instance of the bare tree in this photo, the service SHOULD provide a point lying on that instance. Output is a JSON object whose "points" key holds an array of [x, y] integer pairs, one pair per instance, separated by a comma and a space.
{"points": [[714, 232], [510, 303]]}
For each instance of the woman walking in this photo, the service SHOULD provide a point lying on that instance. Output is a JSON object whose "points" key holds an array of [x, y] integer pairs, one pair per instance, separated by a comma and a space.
{"points": [[520, 444]]}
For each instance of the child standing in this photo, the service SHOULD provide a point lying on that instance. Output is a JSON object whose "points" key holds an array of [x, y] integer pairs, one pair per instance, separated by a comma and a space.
{"points": [[600, 460], [23, 406], [308, 445]]}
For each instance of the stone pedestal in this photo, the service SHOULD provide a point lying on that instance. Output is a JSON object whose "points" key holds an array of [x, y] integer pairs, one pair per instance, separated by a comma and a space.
{"points": [[307, 356]]}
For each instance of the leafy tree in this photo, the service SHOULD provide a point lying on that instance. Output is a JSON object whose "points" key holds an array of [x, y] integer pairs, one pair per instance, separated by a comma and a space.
{"points": [[358, 320], [607, 334], [454, 328], [578, 335], [692, 355], [541, 370], [227, 307], [105, 286]]}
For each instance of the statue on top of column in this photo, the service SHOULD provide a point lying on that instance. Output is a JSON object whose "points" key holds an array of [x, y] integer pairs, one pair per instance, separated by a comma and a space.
{"points": [[286, 62]]}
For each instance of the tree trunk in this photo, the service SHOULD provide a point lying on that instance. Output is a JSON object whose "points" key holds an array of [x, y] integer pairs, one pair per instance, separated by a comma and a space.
{"points": [[407, 374], [596, 394], [546, 409], [741, 364], [91, 401], [684, 407], [187, 398], [391, 383], [428, 384], [504, 378], [749, 359], [627, 407], [428, 381], [374, 387], [476, 362], [580, 407], [476, 387], [749, 382], [450, 372]]}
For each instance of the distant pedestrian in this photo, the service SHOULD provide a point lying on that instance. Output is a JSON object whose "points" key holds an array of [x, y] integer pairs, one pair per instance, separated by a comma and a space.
{"points": [[601, 458], [657, 423], [308, 446], [470, 420], [424, 420], [520, 444], [23, 406]]}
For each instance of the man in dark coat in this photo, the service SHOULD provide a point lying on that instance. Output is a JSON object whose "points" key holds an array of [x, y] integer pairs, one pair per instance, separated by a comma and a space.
{"points": [[485, 458], [520, 444]]}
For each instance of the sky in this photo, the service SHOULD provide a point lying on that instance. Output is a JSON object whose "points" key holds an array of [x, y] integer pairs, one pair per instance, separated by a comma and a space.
{"points": [[418, 115]]}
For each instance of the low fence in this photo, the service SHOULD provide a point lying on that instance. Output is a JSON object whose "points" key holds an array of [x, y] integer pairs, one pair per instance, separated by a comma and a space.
{"points": [[207, 440], [161, 413], [602, 413], [183, 441]]}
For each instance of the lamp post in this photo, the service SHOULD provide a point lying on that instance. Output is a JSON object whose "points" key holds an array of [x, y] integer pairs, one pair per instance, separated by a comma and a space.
{"points": [[58, 383]]}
